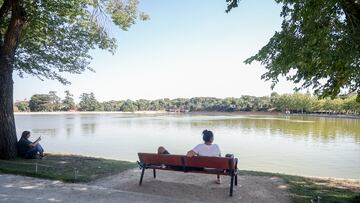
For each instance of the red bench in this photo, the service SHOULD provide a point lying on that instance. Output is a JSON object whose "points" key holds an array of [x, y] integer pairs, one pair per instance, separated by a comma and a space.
{"points": [[207, 165]]}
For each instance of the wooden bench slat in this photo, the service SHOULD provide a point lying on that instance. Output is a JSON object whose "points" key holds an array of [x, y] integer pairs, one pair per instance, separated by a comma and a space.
{"points": [[158, 159], [209, 162]]}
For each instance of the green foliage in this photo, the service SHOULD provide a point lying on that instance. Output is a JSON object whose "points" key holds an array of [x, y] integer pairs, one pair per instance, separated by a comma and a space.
{"points": [[88, 102], [143, 104], [45, 102], [318, 46], [129, 106], [112, 105], [68, 103], [58, 35], [22, 106], [54, 101]]}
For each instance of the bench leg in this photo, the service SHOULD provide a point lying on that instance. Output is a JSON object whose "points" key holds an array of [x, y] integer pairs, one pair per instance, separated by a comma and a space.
{"points": [[236, 179], [154, 172], [231, 184], [142, 175]]}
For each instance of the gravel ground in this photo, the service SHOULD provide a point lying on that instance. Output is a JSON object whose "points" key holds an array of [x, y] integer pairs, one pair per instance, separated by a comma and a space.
{"points": [[199, 187], [167, 187]]}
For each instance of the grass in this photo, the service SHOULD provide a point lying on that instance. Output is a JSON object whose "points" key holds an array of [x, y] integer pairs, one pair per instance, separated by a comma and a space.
{"points": [[67, 168], [73, 168], [305, 189]]}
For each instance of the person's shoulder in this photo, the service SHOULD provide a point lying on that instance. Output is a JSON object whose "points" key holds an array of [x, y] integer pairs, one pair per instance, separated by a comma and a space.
{"points": [[216, 146]]}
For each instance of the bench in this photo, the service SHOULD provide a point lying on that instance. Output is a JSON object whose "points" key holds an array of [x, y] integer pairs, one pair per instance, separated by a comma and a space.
{"points": [[207, 165]]}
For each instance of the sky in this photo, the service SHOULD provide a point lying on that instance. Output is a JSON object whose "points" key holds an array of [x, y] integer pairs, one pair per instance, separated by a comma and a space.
{"points": [[187, 49]]}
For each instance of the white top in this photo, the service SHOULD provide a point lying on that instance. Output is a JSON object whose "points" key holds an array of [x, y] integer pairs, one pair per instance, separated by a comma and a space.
{"points": [[207, 150]]}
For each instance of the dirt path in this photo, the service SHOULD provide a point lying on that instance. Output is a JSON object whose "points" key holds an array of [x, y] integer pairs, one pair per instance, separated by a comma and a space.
{"points": [[21, 189], [199, 187]]}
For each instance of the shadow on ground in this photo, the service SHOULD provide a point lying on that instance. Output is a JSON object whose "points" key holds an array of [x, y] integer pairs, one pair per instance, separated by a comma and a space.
{"points": [[199, 187]]}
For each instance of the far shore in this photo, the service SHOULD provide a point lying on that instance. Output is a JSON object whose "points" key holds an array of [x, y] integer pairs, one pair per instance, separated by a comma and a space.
{"points": [[88, 112], [248, 113]]}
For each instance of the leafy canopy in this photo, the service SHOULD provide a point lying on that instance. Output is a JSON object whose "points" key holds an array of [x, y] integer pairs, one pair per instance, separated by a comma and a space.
{"points": [[58, 34], [318, 46]]}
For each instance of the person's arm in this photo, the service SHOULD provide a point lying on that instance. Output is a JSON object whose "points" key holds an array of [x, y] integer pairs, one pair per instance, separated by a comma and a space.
{"points": [[35, 143], [191, 153], [219, 150]]}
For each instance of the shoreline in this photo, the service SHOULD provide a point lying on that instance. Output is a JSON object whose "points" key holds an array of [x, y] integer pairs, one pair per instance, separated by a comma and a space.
{"points": [[248, 113], [324, 115], [88, 112]]}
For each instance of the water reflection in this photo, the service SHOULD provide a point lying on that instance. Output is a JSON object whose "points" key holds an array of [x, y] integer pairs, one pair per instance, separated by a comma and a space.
{"points": [[48, 132], [298, 127], [88, 128]]}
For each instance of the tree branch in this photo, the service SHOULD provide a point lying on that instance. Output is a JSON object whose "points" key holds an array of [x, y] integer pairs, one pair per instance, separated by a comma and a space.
{"points": [[13, 31], [4, 9], [352, 13]]}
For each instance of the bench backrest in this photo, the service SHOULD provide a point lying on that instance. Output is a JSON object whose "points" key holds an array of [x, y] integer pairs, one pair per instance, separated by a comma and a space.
{"points": [[181, 160]]}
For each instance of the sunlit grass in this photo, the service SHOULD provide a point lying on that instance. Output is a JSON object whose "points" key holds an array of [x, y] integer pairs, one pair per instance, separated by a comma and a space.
{"points": [[305, 189], [67, 168]]}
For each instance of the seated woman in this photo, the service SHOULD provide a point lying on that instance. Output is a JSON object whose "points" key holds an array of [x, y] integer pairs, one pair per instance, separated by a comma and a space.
{"points": [[205, 149], [28, 149]]}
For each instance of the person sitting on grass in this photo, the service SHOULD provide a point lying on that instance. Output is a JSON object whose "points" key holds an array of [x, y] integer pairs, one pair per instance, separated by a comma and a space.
{"points": [[205, 149], [28, 149]]}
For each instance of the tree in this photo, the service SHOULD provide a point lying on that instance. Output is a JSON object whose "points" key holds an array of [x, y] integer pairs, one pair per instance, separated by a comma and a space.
{"points": [[143, 104], [22, 106], [129, 105], [112, 105], [318, 46], [54, 101], [88, 102], [46, 38], [68, 102], [40, 102]]}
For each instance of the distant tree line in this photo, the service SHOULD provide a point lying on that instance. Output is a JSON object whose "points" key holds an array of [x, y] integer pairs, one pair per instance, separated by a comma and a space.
{"points": [[294, 103]]}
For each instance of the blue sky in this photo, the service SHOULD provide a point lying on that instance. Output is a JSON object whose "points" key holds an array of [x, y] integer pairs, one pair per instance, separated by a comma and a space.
{"points": [[187, 49]]}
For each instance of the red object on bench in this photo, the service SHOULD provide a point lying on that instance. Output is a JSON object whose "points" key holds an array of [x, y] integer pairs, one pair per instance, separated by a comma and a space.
{"points": [[196, 164]]}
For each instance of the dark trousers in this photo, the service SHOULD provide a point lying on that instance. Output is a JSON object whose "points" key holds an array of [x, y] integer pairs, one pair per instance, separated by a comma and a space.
{"points": [[33, 152]]}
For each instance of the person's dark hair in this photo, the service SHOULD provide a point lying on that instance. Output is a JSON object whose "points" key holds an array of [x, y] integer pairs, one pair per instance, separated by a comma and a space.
{"points": [[25, 134], [207, 135]]}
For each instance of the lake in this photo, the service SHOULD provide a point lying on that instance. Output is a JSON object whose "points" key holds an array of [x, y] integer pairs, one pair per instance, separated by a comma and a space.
{"points": [[311, 146]]}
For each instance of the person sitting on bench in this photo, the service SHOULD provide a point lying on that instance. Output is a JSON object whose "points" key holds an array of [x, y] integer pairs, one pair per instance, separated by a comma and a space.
{"points": [[205, 149]]}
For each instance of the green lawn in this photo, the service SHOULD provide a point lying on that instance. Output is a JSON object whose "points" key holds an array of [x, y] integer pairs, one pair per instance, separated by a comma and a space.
{"points": [[73, 168], [304, 189], [67, 168]]}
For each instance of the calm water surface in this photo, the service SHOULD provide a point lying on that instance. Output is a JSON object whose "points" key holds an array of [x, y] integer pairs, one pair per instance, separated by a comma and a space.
{"points": [[328, 147]]}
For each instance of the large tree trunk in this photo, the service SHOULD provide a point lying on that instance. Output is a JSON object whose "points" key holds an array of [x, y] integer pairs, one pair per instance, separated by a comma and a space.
{"points": [[7, 130], [8, 47]]}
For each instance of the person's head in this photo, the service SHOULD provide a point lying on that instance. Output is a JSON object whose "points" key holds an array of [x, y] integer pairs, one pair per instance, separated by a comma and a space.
{"points": [[208, 136], [25, 134]]}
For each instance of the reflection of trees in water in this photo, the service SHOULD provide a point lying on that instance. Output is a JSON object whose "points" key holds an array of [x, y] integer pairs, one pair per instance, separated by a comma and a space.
{"points": [[317, 128], [69, 130], [88, 128], [48, 132], [165, 123]]}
